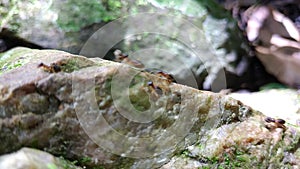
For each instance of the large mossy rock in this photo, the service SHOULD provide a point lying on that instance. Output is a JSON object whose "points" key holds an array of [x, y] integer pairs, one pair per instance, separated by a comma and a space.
{"points": [[182, 31], [121, 117], [30, 158]]}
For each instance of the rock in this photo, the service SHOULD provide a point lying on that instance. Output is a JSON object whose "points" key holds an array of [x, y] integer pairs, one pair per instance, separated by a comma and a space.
{"points": [[55, 24], [279, 103], [118, 116], [35, 159], [197, 43]]}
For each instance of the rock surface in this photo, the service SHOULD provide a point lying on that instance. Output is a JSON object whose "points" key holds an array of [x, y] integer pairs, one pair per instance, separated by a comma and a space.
{"points": [[121, 117], [212, 43], [278, 103], [34, 159]]}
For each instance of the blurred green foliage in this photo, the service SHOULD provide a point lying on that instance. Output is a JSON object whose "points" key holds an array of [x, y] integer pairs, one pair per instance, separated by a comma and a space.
{"points": [[13, 59], [75, 14], [270, 86], [186, 7], [72, 15], [215, 9], [9, 12]]}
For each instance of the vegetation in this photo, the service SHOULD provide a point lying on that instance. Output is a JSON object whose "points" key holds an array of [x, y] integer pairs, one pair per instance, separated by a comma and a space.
{"points": [[76, 14], [8, 13], [12, 59]]}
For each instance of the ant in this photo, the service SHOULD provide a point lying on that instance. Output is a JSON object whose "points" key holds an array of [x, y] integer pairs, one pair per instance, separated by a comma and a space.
{"points": [[123, 58], [156, 89], [162, 74], [165, 75], [275, 123], [53, 68]]}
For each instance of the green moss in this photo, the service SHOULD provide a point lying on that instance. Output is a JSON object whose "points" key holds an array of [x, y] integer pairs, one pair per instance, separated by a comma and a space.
{"points": [[273, 86], [84, 160], [204, 110], [185, 153], [214, 160], [76, 14], [238, 159], [190, 8], [66, 164], [107, 86], [234, 159], [13, 65], [125, 163], [9, 15], [70, 66], [13, 59], [205, 167], [200, 146], [75, 63], [98, 167], [51, 166], [139, 99], [34, 143]]}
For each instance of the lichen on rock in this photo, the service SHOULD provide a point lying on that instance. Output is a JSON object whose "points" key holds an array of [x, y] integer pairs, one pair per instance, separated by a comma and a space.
{"points": [[32, 158], [123, 117]]}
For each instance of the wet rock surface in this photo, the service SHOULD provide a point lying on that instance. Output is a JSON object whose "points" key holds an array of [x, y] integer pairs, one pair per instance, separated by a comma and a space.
{"points": [[110, 114], [32, 158], [281, 103], [212, 43]]}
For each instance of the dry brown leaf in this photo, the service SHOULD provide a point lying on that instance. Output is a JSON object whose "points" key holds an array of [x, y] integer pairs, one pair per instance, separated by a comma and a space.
{"points": [[265, 21], [279, 49], [282, 42], [284, 63]]}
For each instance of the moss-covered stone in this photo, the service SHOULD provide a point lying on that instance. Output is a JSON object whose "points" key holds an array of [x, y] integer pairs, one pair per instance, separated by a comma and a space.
{"points": [[13, 59], [63, 113], [32, 158]]}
